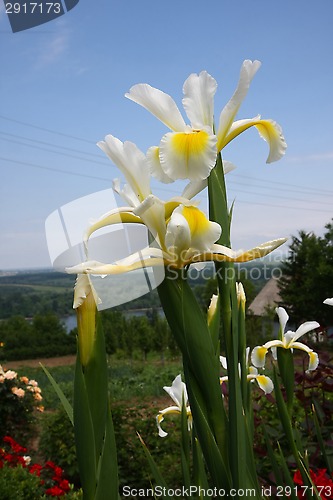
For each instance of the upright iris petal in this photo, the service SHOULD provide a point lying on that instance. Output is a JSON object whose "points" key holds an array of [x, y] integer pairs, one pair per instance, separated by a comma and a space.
{"points": [[132, 163]]}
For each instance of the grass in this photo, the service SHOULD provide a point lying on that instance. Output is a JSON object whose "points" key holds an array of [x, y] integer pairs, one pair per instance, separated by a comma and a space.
{"points": [[128, 379]]}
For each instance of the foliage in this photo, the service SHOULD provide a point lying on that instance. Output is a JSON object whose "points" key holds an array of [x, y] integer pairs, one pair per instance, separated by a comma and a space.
{"points": [[307, 277], [32, 293], [45, 336], [19, 398], [139, 417], [313, 399], [16, 483], [57, 443]]}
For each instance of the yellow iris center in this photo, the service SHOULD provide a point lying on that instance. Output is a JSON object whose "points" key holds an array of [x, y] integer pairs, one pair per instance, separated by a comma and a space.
{"points": [[193, 143]]}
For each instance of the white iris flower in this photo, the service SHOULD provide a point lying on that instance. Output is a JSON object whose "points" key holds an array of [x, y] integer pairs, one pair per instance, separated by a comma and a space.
{"points": [[289, 340], [264, 382], [178, 394], [189, 151]]}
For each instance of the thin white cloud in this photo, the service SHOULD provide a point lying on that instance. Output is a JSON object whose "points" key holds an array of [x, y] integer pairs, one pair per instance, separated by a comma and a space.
{"points": [[52, 51], [325, 156], [54, 45]]}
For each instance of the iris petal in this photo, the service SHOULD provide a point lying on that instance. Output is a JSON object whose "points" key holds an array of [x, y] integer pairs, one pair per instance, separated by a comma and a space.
{"points": [[248, 70], [131, 161], [269, 130], [258, 356], [305, 328], [265, 383], [198, 102], [159, 104], [188, 155], [153, 158]]}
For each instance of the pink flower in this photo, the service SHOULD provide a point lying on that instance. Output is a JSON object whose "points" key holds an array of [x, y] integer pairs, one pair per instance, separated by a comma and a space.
{"points": [[10, 374], [18, 392]]}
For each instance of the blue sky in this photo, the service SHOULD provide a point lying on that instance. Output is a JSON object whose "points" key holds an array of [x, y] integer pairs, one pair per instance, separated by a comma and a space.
{"points": [[62, 89]]}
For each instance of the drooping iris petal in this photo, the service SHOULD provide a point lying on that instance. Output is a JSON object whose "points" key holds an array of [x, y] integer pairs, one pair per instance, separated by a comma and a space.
{"points": [[116, 216], [269, 130], [159, 104], [204, 232], [313, 356], [258, 356], [153, 158], [265, 383], [198, 101], [329, 302], [221, 253], [227, 116], [178, 237], [152, 213], [188, 155], [160, 417]]}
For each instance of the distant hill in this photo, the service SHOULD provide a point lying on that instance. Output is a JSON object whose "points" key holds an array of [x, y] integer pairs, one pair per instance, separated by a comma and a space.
{"points": [[31, 292]]}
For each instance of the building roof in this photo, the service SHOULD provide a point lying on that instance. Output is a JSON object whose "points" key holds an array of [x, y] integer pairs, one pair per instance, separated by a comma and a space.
{"points": [[267, 297]]}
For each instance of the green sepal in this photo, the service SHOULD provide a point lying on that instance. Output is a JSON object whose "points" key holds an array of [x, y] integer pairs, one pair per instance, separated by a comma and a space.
{"points": [[64, 401]]}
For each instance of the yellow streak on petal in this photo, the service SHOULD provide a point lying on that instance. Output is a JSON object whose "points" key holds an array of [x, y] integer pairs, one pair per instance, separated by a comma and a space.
{"points": [[269, 130], [197, 221], [193, 143], [314, 360]]}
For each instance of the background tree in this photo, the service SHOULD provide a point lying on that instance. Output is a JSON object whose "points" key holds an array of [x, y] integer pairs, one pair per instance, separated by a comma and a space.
{"points": [[307, 278]]}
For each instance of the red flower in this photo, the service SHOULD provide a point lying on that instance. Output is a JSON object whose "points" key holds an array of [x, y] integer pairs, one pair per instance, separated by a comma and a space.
{"points": [[55, 491], [36, 469], [320, 479], [64, 485], [16, 448]]}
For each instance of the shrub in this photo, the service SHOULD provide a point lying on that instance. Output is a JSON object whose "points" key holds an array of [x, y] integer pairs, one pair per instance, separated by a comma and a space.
{"points": [[19, 397], [18, 484], [57, 443]]}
